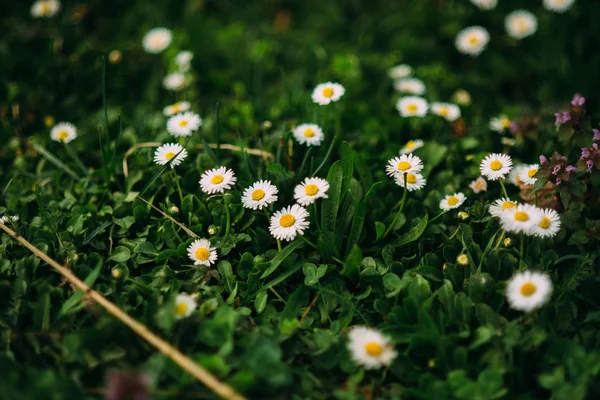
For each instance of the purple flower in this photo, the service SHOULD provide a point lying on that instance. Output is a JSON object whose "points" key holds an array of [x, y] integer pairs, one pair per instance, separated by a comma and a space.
{"points": [[543, 159], [595, 146], [558, 181], [596, 135], [514, 127], [562, 118], [585, 153], [578, 100], [590, 165], [556, 169], [571, 168]]}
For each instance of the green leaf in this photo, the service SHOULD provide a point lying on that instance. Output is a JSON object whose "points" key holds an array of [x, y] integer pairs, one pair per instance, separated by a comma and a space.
{"points": [[351, 267], [281, 256], [347, 166], [359, 219], [412, 234], [73, 304], [379, 230], [260, 303], [331, 204], [54, 160], [121, 254]]}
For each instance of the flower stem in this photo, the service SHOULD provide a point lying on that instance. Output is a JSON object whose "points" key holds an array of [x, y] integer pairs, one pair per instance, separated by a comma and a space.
{"points": [[500, 239], [278, 245], [503, 188], [178, 186], [316, 216], [311, 244], [402, 203], [226, 201], [437, 216], [521, 247]]}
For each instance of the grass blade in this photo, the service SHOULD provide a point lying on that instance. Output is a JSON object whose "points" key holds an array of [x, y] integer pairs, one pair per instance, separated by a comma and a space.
{"points": [[55, 161]]}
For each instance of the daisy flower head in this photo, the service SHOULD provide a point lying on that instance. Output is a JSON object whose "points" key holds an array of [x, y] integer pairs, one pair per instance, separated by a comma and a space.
{"points": [[183, 124], [400, 71], [520, 23], [479, 185], [289, 222], [310, 190], [558, 6], [412, 106], [499, 124], [414, 181], [9, 219], [45, 8], [495, 166], [217, 180], [485, 4], [528, 290], [462, 97], [520, 219], [327, 92], [370, 348], [183, 58], [462, 259], [174, 81], [526, 174], [448, 111], [157, 40], [167, 152], [259, 195], [500, 205], [176, 108], [309, 134], [405, 163], [514, 176], [411, 146], [452, 201], [410, 85], [472, 40], [63, 132], [548, 225], [184, 305], [201, 252]]}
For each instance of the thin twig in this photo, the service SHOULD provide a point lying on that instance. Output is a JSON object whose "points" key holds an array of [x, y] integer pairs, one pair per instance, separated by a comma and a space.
{"points": [[173, 220]]}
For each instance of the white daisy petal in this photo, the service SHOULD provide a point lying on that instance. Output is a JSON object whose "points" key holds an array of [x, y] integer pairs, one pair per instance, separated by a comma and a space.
{"points": [[184, 305], [528, 290], [495, 166], [370, 348], [479, 185], [157, 40], [400, 71], [289, 222], [413, 86], [9, 219], [520, 23], [514, 176], [184, 57], [520, 219], [309, 134], [548, 224], [414, 181], [411, 146], [448, 111], [45, 8], [176, 108], [558, 6], [63, 132], [310, 190], [408, 163], [485, 4], [500, 124], [526, 174], [217, 180], [166, 152], [259, 195], [412, 106], [498, 206], [201, 252], [472, 40], [174, 81], [327, 92], [452, 201], [184, 124]]}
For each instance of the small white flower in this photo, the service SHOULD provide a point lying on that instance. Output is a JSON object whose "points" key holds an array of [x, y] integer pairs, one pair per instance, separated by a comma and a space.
{"points": [[462, 259], [405, 163], [500, 205], [157, 40], [508, 141], [520, 219], [410, 85], [174, 81], [327, 92], [9, 219], [548, 225], [63, 132], [45, 8], [526, 174], [463, 215], [500, 124], [289, 222], [412, 106], [184, 305], [217, 180], [472, 40], [479, 185], [259, 195], [558, 6], [448, 111], [413, 181], [184, 57], [515, 174], [201, 252], [400, 71], [309, 134], [452, 201], [310, 190], [528, 290], [495, 166], [520, 23], [485, 4], [370, 348], [166, 152], [184, 124], [411, 146], [176, 108], [462, 97]]}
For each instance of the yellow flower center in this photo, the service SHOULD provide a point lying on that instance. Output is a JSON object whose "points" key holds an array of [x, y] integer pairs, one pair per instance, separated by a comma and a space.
{"points": [[521, 25], [452, 200], [373, 349], [403, 165], [521, 216], [45, 8], [545, 223], [444, 112], [176, 108], [495, 165], [217, 179], [473, 40], [183, 123], [62, 135], [169, 155], [287, 220], [532, 172], [258, 194], [412, 108], [311, 189], [328, 92], [508, 204], [309, 133], [479, 184], [528, 288], [202, 254], [410, 144], [181, 309], [505, 122], [462, 259], [411, 178]]}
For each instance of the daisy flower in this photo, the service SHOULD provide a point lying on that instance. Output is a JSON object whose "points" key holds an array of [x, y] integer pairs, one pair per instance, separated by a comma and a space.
{"points": [[500, 205], [485, 4], [528, 290], [184, 305], [411, 146], [259, 195], [183, 58], [462, 97], [410, 85], [217, 180], [412, 106], [404, 163], [463, 215], [414, 181], [157, 40], [499, 124], [526, 174], [309, 134], [472, 40], [514, 176], [462, 259], [548, 225], [63, 132], [400, 71], [9, 218], [448, 111], [558, 6], [520, 23], [201, 252], [479, 185], [166, 152], [45, 8], [289, 222], [327, 92], [176, 108], [184, 124], [452, 201], [174, 81], [495, 166], [370, 348], [520, 219], [310, 190]]}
